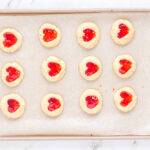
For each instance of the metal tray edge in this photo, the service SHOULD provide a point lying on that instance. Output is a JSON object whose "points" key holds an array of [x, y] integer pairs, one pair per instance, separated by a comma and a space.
{"points": [[68, 11]]}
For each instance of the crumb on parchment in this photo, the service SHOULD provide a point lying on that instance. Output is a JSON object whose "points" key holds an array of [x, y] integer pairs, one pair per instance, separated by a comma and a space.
{"points": [[100, 85]]}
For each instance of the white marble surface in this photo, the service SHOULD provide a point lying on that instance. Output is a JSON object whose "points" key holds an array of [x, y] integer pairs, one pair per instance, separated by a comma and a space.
{"points": [[74, 144], [74, 4]]}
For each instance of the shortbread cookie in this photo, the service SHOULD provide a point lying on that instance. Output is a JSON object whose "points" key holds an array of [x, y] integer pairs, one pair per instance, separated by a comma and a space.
{"points": [[10, 40], [52, 104], [90, 68], [12, 74], [122, 31], [125, 99], [12, 106], [49, 35], [124, 66], [88, 35], [91, 101], [53, 68]]}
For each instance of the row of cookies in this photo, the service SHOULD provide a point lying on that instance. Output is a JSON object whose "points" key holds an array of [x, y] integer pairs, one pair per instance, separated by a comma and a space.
{"points": [[54, 68], [88, 35], [13, 105], [124, 66]]}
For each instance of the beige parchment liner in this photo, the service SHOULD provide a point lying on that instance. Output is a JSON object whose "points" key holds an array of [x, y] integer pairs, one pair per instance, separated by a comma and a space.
{"points": [[73, 120]]}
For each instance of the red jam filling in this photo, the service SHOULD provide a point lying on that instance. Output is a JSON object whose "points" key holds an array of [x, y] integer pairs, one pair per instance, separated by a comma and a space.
{"points": [[127, 98], [55, 68], [126, 65], [13, 105], [91, 68], [89, 34], [49, 35], [91, 101], [124, 30], [10, 39], [13, 74], [53, 104]]}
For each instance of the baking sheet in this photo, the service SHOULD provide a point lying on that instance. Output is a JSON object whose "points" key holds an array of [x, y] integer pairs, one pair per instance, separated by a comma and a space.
{"points": [[73, 121]]}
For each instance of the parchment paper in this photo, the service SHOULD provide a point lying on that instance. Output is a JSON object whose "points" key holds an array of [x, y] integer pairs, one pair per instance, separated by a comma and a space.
{"points": [[74, 121]]}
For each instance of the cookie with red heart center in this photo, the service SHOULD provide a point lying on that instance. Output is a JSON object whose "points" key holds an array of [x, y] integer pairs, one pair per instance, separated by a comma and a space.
{"points": [[10, 40], [91, 101], [53, 68], [124, 66], [125, 99], [90, 68], [52, 104], [12, 74], [88, 35], [49, 35], [12, 105], [122, 31]]}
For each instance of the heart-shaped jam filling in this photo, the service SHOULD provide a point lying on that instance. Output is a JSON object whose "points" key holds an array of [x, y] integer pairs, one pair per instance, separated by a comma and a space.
{"points": [[53, 104], [9, 39], [49, 34], [124, 30], [127, 98], [13, 74], [126, 66], [13, 105], [91, 68], [55, 68], [89, 34], [91, 101]]}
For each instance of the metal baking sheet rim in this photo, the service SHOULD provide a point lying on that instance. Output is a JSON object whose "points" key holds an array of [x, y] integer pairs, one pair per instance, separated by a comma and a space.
{"points": [[70, 137], [79, 137], [68, 11]]}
